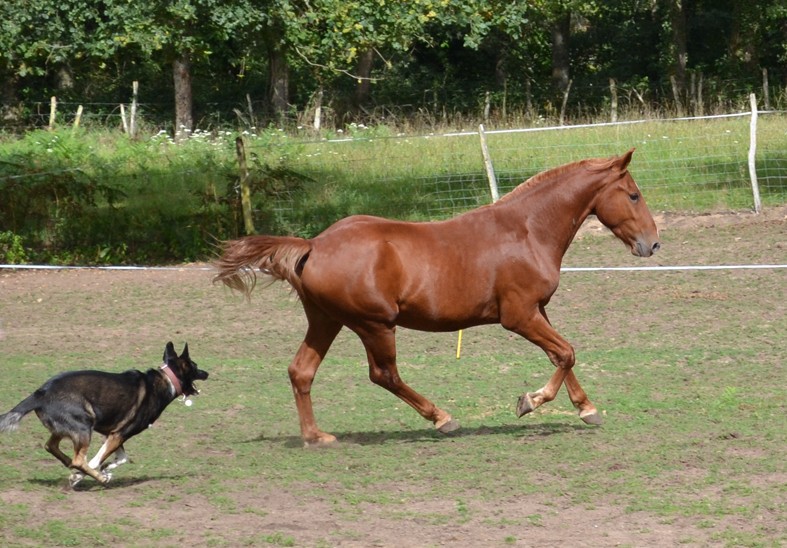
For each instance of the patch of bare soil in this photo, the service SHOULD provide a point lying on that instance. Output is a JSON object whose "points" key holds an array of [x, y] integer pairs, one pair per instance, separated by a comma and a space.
{"points": [[265, 516], [674, 221]]}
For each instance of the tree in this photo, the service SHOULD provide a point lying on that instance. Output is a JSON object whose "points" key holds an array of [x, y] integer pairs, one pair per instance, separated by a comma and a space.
{"points": [[180, 34]]}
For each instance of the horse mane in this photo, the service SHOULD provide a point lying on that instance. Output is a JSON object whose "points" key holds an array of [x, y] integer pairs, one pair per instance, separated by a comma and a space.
{"points": [[556, 174]]}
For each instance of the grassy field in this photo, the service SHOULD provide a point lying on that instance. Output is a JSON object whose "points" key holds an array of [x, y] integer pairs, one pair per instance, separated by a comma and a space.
{"points": [[171, 200], [686, 367]]}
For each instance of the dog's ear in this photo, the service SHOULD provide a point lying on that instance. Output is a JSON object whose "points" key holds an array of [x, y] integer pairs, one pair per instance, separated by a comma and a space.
{"points": [[169, 353], [185, 354]]}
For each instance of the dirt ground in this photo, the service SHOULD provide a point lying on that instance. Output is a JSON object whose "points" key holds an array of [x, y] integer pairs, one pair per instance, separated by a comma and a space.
{"points": [[309, 520]]}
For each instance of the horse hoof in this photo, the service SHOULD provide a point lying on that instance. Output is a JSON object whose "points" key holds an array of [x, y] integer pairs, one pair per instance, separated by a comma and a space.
{"points": [[449, 426], [592, 417], [525, 405], [324, 440]]}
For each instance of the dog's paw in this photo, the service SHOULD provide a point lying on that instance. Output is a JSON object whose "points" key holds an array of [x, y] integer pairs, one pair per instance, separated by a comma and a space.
{"points": [[75, 478], [105, 477], [114, 464]]}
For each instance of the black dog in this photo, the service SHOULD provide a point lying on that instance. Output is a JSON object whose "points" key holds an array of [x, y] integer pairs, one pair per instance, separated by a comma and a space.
{"points": [[118, 405]]}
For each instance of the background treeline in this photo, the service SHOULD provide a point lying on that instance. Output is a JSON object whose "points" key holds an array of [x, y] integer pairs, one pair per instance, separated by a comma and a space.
{"points": [[208, 63]]}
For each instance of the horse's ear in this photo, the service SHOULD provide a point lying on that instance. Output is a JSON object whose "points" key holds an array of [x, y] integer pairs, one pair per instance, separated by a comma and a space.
{"points": [[625, 159]]}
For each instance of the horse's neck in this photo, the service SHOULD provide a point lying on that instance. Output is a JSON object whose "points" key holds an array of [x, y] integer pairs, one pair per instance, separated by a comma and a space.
{"points": [[552, 211]]}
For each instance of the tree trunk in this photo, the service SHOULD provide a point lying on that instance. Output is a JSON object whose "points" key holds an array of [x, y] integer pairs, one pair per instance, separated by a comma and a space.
{"points": [[184, 118], [64, 78], [677, 15], [9, 101], [279, 80], [363, 89], [561, 32]]}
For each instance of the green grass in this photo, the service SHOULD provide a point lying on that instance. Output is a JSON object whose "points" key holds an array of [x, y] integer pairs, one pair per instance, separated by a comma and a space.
{"points": [[176, 198], [684, 365]]}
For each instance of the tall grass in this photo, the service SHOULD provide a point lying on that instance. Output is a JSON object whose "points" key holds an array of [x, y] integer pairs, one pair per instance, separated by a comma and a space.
{"points": [[169, 202]]}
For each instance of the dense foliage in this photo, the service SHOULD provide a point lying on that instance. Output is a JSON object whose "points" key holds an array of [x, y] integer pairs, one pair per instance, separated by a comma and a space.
{"points": [[203, 63]]}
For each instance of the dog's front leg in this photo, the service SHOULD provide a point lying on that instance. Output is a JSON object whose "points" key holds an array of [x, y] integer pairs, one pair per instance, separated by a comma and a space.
{"points": [[113, 445], [120, 458], [99, 462]]}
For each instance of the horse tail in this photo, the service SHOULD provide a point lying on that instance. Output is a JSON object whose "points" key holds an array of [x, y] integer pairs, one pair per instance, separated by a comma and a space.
{"points": [[10, 421], [276, 257]]}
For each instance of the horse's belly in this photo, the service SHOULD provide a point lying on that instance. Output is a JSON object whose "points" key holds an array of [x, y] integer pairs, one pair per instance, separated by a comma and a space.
{"points": [[446, 315]]}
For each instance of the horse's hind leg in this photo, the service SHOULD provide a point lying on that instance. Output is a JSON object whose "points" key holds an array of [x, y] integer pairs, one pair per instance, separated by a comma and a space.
{"points": [[380, 344], [321, 333]]}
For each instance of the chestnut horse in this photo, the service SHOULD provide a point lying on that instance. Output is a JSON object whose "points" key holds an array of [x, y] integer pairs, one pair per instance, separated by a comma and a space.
{"points": [[499, 263]]}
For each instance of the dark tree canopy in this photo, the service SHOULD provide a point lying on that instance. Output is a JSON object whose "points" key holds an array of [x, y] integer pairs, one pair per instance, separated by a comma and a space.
{"points": [[202, 60]]}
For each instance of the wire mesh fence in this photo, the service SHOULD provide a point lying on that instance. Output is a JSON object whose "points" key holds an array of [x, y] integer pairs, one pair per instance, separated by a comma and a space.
{"points": [[697, 164], [302, 186]]}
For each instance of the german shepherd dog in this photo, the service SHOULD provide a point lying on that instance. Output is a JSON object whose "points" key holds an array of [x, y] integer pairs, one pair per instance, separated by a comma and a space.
{"points": [[118, 405]]}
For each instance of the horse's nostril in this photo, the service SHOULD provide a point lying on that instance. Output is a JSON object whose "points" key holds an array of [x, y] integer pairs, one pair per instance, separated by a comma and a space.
{"points": [[656, 247]]}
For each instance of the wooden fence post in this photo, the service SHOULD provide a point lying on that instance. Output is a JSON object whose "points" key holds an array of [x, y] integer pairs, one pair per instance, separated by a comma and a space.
{"points": [[766, 95], [123, 118], [132, 128], [613, 92], [250, 107], [78, 117], [755, 187], [245, 189], [490, 170], [318, 109], [52, 112]]}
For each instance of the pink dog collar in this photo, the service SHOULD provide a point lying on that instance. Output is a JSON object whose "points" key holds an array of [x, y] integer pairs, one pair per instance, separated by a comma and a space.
{"points": [[173, 379]]}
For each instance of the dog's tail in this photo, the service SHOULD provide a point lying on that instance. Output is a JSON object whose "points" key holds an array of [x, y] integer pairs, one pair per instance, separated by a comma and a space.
{"points": [[10, 421], [276, 257]]}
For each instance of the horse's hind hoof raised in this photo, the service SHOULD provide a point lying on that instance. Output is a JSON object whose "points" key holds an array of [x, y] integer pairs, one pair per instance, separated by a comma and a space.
{"points": [[525, 405]]}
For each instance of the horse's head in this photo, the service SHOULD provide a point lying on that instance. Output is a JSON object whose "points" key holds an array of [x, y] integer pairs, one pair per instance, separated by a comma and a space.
{"points": [[621, 208]]}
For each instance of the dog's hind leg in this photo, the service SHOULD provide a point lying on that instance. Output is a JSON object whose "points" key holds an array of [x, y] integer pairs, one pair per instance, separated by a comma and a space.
{"points": [[79, 462], [53, 447]]}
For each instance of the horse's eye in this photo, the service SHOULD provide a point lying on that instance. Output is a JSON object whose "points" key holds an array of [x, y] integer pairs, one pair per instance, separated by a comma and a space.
{"points": [[634, 197]]}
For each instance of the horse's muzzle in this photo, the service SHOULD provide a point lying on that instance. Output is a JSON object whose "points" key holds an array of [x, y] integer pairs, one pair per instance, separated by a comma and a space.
{"points": [[645, 249]]}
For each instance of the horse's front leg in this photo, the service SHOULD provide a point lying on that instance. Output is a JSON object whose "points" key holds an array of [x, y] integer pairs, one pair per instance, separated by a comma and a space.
{"points": [[587, 411], [537, 329], [380, 344]]}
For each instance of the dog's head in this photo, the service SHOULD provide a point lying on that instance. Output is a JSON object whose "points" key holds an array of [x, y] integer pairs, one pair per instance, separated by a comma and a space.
{"points": [[184, 368]]}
